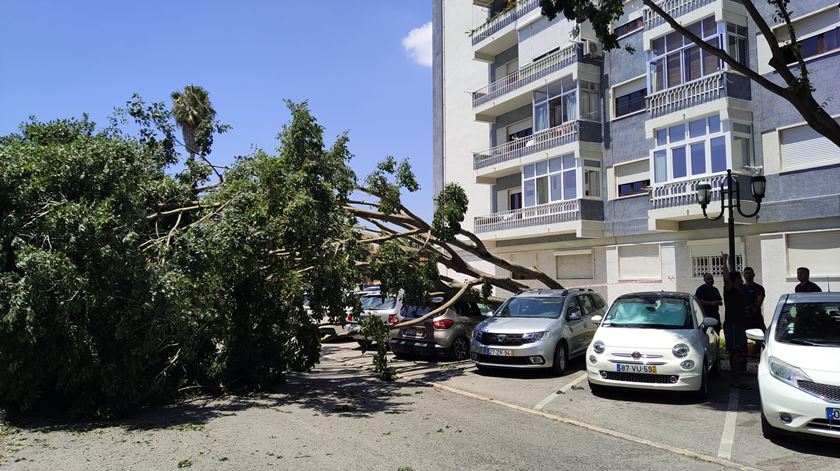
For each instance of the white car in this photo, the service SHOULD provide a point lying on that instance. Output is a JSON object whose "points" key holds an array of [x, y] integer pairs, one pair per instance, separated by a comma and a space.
{"points": [[657, 340], [799, 371], [387, 308]]}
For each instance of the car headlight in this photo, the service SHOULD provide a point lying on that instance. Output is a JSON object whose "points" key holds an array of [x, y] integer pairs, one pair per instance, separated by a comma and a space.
{"points": [[787, 373], [533, 336], [599, 347], [680, 350]]}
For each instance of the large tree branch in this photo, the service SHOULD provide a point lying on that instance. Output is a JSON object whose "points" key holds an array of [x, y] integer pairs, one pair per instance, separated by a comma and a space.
{"points": [[443, 307]]}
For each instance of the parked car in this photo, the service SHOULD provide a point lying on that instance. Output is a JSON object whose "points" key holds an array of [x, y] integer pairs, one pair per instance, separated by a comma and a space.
{"points": [[656, 340], [444, 335], [538, 329], [387, 308], [799, 370]]}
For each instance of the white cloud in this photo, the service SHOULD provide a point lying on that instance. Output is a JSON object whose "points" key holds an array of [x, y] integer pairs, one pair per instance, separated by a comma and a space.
{"points": [[418, 45]]}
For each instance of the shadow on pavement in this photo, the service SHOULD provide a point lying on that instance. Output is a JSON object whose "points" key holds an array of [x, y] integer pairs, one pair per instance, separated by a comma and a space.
{"points": [[572, 367]]}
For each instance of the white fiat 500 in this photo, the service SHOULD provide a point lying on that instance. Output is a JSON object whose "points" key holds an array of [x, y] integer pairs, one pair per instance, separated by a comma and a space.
{"points": [[799, 371], [657, 340]]}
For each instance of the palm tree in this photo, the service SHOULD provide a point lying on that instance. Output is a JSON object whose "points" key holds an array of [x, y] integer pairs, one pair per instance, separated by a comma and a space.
{"points": [[195, 116]]}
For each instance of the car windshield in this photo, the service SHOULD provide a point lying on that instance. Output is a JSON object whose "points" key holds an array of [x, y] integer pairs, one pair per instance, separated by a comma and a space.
{"points": [[809, 324], [650, 312], [532, 307], [378, 302]]}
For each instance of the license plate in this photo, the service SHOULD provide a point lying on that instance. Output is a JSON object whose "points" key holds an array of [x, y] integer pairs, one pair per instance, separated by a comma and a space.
{"points": [[832, 414], [645, 369], [416, 332], [499, 352]]}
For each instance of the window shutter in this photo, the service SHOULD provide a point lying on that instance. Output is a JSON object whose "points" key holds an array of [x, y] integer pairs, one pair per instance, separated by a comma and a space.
{"points": [[639, 262], [819, 252], [802, 147], [577, 266]]}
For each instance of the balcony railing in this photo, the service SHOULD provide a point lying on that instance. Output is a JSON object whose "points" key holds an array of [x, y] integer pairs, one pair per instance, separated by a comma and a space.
{"points": [[502, 19], [527, 74], [684, 192], [547, 139], [674, 8], [689, 94], [551, 213]]}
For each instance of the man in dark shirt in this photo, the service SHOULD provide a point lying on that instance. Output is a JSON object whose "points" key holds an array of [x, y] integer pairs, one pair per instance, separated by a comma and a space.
{"points": [[805, 285], [710, 299], [734, 329], [753, 299]]}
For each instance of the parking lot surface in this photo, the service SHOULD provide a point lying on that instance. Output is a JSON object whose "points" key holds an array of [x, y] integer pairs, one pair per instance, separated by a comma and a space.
{"points": [[726, 426]]}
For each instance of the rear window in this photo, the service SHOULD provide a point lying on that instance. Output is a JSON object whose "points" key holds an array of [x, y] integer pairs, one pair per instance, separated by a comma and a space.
{"points": [[809, 324], [653, 312], [378, 302], [413, 312]]}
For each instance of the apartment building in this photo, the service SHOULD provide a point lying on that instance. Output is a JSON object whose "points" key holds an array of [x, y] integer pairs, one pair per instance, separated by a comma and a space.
{"points": [[583, 163]]}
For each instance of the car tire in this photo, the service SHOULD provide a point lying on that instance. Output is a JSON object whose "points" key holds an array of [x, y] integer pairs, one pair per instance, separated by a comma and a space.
{"points": [[561, 355], [460, 349], [399, 355], [768, 430], [365, 344], [703, 393], [714, 372]]}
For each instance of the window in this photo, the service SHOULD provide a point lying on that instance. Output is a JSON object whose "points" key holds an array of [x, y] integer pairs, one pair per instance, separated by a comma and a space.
{"points": [[630, 103], [713, 264], [819, 251], [550, 180], [598, 301], [629, 27], [802, 147], [699, 147], [633, 188], [515, 200], [820, 43], [632, 178], [592, 183], [675, 60], [574, 266], [589, 101], [586, 304], [737, 42], [639, 262], [555, 104]]}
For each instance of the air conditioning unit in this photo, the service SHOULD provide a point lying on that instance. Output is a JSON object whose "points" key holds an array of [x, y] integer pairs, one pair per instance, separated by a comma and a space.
{"points": [[593, 48]]}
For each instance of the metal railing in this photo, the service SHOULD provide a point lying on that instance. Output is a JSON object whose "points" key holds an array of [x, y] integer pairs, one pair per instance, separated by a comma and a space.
{"points": [[674, 8], [551, 213], [527, 74], [502, 19], [710, 87], [684, 192], [552, 137]]}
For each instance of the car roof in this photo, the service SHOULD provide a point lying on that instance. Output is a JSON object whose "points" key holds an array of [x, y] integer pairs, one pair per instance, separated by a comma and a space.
{"points": [[664, 294], [553, 293], [792, 298]]}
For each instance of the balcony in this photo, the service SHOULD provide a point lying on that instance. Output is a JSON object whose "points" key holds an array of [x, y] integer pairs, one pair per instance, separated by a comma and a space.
{"points": [[557, 136], [499, 32], [581, 217], [528, 74], [673, 202], [699, 91], [674, 8]]}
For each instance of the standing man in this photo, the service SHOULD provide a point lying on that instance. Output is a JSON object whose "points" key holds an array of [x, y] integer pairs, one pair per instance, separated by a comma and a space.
{"points": [[734, 328], [710, 299], [805, 285], [753, 300]]}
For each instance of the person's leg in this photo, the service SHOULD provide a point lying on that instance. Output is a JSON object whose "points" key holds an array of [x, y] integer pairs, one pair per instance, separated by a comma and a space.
{"points": [[735, 365]]}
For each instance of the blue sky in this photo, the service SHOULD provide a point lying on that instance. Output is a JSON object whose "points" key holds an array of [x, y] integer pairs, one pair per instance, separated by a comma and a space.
{"points": [[364, 66]]}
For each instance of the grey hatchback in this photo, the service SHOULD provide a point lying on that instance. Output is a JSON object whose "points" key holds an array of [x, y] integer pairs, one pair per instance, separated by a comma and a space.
{"points": [[538, 329], [445, 335]]}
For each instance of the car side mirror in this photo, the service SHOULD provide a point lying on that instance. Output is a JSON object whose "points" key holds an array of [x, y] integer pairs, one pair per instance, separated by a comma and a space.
{"points": [[710, 322], [597, 319], [755, 334], [574, 315]]}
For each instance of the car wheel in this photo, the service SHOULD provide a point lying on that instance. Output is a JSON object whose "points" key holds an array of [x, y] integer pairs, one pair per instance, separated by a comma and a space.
{"points": [[561, 353], [766, 429], [714, 372], [703, 393], [399, 355], [460, 349], [365, 344]]}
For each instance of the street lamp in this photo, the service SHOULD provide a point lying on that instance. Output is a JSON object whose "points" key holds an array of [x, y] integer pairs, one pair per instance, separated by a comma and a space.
{"points": [[730, 200]]}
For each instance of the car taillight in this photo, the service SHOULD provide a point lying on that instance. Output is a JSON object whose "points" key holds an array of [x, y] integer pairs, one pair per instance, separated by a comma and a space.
{"points": [[392, 319], [349, 317], [443, 323]]}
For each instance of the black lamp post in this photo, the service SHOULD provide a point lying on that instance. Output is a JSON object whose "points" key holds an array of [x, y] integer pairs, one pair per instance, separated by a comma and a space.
{"points": [[730, 200]]}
